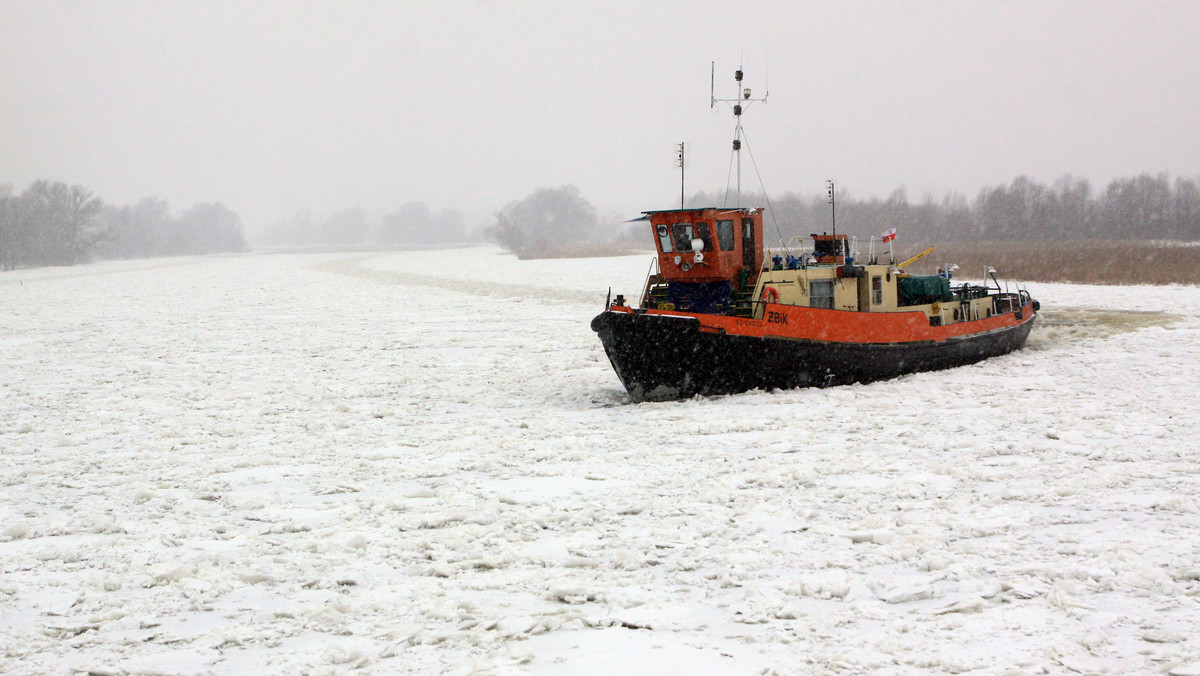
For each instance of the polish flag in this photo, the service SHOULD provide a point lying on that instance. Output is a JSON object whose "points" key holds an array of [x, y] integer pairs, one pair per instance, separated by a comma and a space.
{"points": [[889, 235]]}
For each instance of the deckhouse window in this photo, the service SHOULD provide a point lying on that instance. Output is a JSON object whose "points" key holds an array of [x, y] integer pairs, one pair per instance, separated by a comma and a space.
{"points": [[683, 234], [725, 235], [876, 290], [664, 238], [829, 247], [820, 293]]}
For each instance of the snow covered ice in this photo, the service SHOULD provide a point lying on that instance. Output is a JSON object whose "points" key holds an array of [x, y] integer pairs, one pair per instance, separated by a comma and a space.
{"points": [[423, 462]]}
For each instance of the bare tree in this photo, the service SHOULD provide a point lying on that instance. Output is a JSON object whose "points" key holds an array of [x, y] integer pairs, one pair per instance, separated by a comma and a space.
{"points": [[409, 224], [210, 227], [348, 226], [144, 229], [58, 222], [508, 234], [549, 216], [10, 248]]}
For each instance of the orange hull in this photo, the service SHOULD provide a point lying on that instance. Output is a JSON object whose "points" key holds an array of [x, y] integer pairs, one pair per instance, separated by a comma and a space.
{"points": [[792, 322]]}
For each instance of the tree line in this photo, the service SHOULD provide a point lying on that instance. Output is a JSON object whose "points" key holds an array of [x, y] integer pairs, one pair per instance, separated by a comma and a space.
{"points": [[52, 223], [411, 224], [1143, 207]]}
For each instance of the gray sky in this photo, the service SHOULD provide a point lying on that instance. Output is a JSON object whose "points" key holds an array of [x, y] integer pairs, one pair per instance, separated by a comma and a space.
{"points": [[270, 107]]}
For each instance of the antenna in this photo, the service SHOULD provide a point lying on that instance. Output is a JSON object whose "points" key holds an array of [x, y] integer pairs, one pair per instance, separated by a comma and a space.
{"points": [[766, 75], [831, 189], [681, 162], [743, 100]]}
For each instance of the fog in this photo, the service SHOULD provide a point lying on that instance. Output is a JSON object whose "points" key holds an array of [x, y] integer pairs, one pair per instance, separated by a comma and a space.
{"points": [[271, 108]]}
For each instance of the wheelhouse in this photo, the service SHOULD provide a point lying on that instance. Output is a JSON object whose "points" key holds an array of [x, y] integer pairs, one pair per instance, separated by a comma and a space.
{"points": [[707, 245], [708, 259]]}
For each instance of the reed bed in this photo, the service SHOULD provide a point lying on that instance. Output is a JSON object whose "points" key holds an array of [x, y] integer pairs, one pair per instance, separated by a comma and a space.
{"points": [[1102, 262]]}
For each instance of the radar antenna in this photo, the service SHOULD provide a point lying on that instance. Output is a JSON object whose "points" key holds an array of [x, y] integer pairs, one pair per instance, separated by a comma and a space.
{"points": [[738, 104]]}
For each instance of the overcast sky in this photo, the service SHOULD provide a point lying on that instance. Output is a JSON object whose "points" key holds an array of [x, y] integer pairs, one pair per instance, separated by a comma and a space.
{"points": [[270, 107]]}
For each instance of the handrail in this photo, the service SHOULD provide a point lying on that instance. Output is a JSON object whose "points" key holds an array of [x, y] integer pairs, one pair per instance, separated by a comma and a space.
{"points": [[787, 248], [646, 286], [756, 302], [797, 256]]}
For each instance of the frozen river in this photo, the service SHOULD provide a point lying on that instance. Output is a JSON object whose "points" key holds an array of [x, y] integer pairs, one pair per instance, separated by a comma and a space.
{"points": [[422, 462]]}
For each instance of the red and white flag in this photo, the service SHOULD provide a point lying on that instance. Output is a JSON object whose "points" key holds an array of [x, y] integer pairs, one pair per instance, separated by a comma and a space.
{"points": [[889, 235]]}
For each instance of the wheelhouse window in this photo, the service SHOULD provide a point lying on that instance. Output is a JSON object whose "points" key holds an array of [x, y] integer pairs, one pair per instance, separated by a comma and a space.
{"points": [[683, 234], [829, 247], [664, 238], [725, 235], [820, 293], [876, 290]]}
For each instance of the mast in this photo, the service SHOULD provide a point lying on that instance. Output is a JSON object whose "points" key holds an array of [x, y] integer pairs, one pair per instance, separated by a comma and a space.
{"points": [[738, 135], [680, 160]]}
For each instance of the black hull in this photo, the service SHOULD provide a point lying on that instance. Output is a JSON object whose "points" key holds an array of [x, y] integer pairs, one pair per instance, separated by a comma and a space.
{"points": [[667, 357]]}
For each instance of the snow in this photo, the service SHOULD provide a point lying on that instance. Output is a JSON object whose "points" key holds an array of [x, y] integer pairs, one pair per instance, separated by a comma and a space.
{"points": [[412, 462]]}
